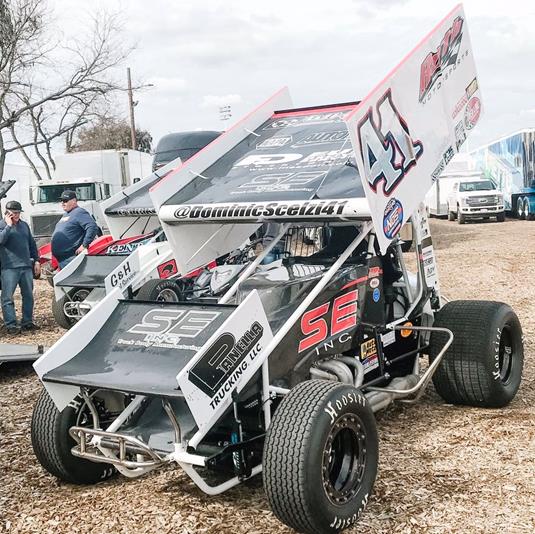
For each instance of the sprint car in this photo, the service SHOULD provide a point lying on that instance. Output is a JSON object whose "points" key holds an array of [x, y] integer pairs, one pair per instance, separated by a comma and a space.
{"points": [[276, 361]]}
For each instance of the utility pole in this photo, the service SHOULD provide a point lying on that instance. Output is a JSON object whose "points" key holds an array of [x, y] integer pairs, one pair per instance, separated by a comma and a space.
{"points": [[131, 107]]}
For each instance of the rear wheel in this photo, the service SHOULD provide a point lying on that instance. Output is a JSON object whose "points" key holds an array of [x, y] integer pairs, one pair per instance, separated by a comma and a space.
{"points": [[451, 215], [528, 212], [483, 365], [160, 290], [320, 457], [520, 208], [52, 443]]}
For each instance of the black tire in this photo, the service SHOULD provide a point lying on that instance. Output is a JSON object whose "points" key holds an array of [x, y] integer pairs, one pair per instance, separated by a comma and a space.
{"points": [[52, 443], [155, 290], [528, 213], [451, 216], [520, 209], [59, 314], [461, 219], [58, 307], [483, 366], [500, 217], [313, 423]]}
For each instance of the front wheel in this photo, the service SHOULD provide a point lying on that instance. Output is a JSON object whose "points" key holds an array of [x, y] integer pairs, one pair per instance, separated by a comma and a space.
{"points": [[451, 215], [52, 443], [500, 217], [483, 365], [461, 219], [320, 457]]}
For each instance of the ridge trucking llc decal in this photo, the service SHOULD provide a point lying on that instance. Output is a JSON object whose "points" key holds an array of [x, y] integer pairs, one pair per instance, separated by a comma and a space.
{"points": [[217, 372], [226, 362]]}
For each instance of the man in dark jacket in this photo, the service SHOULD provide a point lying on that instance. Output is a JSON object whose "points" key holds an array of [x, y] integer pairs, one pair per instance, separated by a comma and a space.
{"points": [[20, 262], [74, 232]]}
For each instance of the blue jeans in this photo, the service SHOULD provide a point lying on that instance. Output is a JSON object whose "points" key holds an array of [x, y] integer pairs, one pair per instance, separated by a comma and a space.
{"points": [[11, 278]]}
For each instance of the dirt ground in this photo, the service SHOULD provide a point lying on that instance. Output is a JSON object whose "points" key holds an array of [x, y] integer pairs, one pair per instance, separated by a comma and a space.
{"points": [[442, 468]]}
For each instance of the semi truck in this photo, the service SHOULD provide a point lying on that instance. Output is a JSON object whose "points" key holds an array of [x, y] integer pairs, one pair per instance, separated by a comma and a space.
{"points": [[94, 175]]}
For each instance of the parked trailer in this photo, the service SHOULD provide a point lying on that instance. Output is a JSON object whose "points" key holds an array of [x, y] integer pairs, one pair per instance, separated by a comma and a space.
{"points": [[278, 363], [523, 203]]}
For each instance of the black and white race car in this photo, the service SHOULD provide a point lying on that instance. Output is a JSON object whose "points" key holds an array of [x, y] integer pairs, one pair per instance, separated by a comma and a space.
{"points": [[277, 359]]}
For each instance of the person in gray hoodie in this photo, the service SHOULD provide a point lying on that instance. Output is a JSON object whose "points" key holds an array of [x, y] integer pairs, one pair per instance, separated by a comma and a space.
{"points": [[74, 232], [19, 261]]}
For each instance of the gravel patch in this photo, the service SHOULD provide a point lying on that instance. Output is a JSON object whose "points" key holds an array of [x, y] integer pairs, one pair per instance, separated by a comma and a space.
{"points": [[442, 468]]}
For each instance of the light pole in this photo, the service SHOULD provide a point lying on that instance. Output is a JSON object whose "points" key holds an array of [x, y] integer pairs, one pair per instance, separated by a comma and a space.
{"points": [[131, 107]]}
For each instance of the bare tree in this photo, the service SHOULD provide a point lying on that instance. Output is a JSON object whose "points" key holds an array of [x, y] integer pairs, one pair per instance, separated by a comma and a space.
{"points": [[40, 103]]}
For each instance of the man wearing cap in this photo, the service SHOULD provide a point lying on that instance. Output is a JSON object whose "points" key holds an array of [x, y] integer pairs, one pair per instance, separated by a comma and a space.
{"points": [[20, 263], [74, 232]]}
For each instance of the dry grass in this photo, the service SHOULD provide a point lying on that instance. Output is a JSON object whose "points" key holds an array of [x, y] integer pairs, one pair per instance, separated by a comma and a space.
{"points": [[442, 468]]}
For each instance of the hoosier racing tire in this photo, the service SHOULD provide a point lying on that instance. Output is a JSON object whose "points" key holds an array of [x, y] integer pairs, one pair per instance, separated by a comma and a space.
{"points": [[160, 290], [52, 443], [320, 457], [483, 365]]}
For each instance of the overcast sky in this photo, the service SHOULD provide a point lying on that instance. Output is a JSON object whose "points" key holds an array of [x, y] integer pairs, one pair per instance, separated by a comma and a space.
{"points": [[203, 54]]}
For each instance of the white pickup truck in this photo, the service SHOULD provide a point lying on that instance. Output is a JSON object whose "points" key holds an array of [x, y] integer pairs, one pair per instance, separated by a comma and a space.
{"points": [[475, 199]]}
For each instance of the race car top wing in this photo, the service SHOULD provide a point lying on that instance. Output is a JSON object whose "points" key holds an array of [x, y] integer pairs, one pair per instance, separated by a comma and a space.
{"points": [[408, 128]]}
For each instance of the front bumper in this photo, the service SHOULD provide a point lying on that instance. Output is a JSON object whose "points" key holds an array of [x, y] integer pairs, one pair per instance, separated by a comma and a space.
{"points": [[481, 211]]}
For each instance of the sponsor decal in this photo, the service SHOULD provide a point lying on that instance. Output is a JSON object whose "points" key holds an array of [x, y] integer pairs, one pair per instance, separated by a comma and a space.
{"points": [[124, 248], [446, 55], [472, 112], [374, 282], [388, 150], [296, 160], [274, 142], [446, 157], [459, 106], [134, 211], [376, 294], [167, 269], [343, 316], [123, 276], [322, 138], [388, 338], [375, 271], [299, 120], [460, 134], [169, 329], [258, 210], [216, 373], [278, 182], [392, 218], [472, 88], [368, 355]]}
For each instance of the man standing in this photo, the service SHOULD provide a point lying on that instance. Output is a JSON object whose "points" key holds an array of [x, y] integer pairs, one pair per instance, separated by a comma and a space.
{"points": [[74, 232], [20, 262]]}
